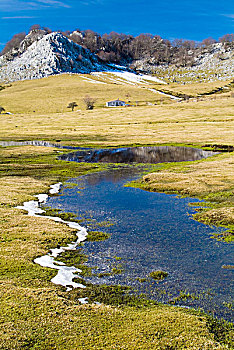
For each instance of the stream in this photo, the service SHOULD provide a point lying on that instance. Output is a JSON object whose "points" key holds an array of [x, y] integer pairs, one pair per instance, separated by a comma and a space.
{"points": [[148, 232]]}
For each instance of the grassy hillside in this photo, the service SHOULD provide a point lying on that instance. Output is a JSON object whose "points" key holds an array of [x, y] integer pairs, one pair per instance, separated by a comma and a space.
{"points": [[39, 112], [52, 95], [198, 88]]}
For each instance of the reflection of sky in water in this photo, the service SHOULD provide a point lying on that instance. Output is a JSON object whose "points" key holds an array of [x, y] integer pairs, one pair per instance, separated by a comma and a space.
{"points": [[151, 231]]}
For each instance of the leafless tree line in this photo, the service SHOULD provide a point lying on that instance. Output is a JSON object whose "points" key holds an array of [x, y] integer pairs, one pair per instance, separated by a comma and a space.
{"points": [[122, 48]]}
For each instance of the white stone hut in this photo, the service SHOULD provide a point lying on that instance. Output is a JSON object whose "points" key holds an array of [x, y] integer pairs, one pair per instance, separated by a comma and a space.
{"points": [[115, 103]]}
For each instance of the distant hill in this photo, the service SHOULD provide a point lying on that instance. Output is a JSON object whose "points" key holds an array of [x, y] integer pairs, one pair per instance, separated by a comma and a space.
{"points": [[41, 55]]}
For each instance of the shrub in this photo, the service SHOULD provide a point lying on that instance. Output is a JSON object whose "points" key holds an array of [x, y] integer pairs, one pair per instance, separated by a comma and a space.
{"points": [[89, 102], [2, 109]]}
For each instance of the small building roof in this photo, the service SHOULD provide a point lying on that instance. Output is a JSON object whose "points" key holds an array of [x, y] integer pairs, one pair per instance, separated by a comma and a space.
{"points": [[118, 100]]}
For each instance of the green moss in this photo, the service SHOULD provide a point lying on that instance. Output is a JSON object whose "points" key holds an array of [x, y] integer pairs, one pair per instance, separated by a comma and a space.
{"points": [[141, 280], [158, 275], [105, 223], [110, 295], [97, 236], [72, 257], [78, 259], [184, 296], [117, 270], [117, 258], [46, 166], [104, 274], [221, 329], [218, 220], [231, 267], [57, 213]]}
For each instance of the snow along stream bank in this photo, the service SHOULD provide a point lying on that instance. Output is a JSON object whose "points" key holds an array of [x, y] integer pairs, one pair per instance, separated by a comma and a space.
{"points": [[65, 274]]}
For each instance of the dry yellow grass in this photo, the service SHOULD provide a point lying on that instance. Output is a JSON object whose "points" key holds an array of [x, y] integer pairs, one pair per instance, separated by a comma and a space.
{"points": [[53, 94], [196, 88], [193, 122], [196, 179]]}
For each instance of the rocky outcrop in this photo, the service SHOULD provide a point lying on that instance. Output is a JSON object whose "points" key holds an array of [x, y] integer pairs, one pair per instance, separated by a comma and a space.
{"points": [[33, 36], [215, 62], [41, 55]]}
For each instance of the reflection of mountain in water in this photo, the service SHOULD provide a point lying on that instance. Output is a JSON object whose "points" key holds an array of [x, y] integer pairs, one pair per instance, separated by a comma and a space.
{"points": [[152, 155], [116, 174]]}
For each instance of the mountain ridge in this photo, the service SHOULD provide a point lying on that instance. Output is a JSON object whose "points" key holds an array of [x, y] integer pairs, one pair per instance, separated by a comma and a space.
{"points": [[50, 54], [41, 53]]}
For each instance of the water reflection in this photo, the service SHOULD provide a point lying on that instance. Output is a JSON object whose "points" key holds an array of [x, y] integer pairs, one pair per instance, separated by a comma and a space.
{"points": [[151, 155], [115, 175], [35, 143]]}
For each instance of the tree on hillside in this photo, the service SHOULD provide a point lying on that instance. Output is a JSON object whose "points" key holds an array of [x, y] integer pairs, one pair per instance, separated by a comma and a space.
{"points": [[207, 42], [35, 27], [72, 105], [2, 109], [89, 102], [13, 43], [227, 38]]}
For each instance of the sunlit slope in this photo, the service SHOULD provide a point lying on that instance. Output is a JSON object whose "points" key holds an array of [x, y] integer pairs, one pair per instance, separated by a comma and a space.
{"points": [[40, 111], [52, 95], [196, 89]]}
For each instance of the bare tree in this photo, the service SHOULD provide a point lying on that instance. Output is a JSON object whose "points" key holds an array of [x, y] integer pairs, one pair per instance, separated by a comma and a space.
{"points": [[89, 102], [207, 42], [227, 38], [72, 105], [2, 109], [13, 43], [35, 27]]}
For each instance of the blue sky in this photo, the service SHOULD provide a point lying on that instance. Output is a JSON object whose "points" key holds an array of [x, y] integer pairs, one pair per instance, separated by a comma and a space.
{"points": [[195, 20]]}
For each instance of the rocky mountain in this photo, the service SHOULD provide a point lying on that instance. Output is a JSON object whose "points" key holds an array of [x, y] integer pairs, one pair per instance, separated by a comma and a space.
{"points": [[214, 62], [41, 55]]}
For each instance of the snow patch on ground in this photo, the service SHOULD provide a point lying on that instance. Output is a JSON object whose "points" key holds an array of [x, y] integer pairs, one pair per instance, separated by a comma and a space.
{"points": [[127, 78], [137, 78], [32, 207], [83, 300], [42, 198], [65, 274], [55, 188], [163, 93], [93, 81]]}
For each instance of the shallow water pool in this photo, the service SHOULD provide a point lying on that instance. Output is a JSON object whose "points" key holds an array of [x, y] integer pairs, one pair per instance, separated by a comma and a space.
{"points": [[150, 231]]}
